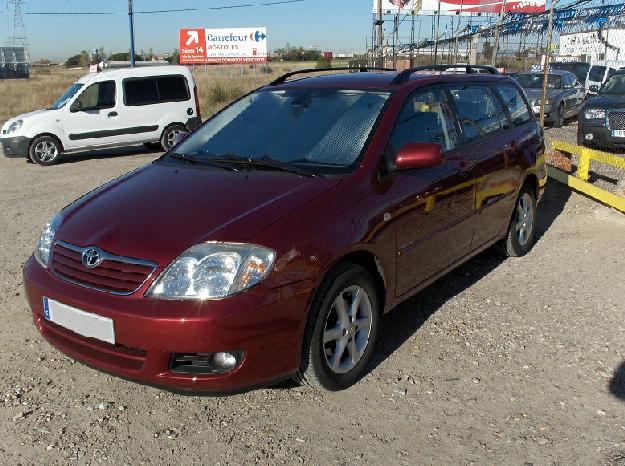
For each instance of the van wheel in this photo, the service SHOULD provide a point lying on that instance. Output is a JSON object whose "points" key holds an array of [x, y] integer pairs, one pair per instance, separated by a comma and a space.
{"points": [[522, 230], [341, 330], [45, 150], [169, 135]]}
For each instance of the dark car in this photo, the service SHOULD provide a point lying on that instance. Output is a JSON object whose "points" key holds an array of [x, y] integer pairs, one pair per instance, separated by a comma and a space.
{"points": [[565, 94], [602, 118], [578, 68], [269, 242]]}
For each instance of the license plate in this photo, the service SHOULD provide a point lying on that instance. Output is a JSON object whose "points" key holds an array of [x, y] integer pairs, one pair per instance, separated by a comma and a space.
{"points": [[83, 323], [618, 133]]}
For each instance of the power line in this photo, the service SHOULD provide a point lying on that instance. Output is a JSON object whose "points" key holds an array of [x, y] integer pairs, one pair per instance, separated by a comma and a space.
{"points": [[150, 12]]}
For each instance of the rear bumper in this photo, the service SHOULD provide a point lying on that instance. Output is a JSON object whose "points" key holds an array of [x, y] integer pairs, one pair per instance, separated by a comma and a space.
{"points": [[15, 147], [267, 325]]}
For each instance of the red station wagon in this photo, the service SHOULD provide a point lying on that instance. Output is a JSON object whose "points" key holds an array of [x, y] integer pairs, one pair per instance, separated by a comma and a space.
{"points": [[268, 243]]}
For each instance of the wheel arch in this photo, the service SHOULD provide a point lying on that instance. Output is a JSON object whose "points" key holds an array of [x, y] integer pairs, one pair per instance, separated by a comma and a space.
{"points": [[52, 135]]}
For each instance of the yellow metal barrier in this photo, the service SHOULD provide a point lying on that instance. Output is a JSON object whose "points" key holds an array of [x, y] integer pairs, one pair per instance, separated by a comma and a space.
{"points": [[579, 182]]}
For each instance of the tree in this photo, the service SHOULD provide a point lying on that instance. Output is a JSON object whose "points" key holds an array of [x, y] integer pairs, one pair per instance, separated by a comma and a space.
{"points": [[73, 62], [120, 56], [85, 59], [488, 51], [324, 62], [174, 58]]}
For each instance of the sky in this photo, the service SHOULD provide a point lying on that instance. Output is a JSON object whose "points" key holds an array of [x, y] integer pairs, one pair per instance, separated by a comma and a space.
{"points": [[337, 25]]}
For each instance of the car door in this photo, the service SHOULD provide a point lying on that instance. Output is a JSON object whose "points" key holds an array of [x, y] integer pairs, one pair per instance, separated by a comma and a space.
{"points": [[485, 128], [92, 118], [434, 207]]}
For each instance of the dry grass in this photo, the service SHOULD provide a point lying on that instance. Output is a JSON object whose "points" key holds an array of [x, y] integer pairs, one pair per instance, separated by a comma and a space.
{"points": [[217, 85]]}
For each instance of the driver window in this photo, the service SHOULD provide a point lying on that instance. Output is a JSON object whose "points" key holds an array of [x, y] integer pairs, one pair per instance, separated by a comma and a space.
{"points": [[425, 117], [478, 112], [98, 96]]}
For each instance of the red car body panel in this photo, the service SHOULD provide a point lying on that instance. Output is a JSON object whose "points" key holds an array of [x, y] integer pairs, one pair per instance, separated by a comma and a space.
{"points": [[416, 224]]}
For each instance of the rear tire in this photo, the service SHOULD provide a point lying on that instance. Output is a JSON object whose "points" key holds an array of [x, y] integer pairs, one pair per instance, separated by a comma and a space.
{"points": [[522, 230], [169, 135], [45, 151], [342, 327]]}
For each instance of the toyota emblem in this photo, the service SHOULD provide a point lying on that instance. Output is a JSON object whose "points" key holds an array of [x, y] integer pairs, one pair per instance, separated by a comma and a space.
{"points": [[91, 257]]}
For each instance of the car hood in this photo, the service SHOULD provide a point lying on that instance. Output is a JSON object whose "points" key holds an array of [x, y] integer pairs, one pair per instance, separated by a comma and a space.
{"points": [[158, 211], [28, 117], [605, 101], [535, 94]]}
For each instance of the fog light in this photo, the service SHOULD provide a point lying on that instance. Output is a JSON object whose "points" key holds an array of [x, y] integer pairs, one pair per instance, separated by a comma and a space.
{"points": [[205, 363], [589, 137]]}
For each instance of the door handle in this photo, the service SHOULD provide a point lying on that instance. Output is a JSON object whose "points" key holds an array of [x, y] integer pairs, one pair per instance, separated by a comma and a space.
{"points": [[113, 114], [467, 166]]}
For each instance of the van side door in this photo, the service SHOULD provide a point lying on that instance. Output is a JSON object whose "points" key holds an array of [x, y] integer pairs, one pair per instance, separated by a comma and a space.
{"points": [[433, 207], [92, 118]]}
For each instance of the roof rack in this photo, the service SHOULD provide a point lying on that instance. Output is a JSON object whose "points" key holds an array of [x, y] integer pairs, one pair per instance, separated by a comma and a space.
{"points": [[361, 69], [405, 75]]}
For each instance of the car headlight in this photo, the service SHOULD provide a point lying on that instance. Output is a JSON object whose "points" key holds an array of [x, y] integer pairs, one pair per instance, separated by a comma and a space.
{"points": [[213, 271], [44, 247], [15, 126], [547, 101], [594, 114]]}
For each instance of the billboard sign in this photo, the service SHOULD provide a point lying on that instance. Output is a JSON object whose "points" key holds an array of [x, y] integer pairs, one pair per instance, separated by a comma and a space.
{"points": [[213, 46], [452, 7]]}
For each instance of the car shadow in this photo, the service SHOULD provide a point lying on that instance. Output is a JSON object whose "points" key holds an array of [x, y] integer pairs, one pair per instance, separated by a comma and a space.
{"points": [[406, 319], [617, 382], [108, 153]]}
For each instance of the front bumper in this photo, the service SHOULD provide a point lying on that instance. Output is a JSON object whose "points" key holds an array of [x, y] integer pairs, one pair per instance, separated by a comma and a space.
{"points": [[267, 324], [601, 136], [548, 111], [16, 146]]}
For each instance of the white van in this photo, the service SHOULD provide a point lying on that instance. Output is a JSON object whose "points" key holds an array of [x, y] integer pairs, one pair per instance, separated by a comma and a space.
{"points": [[599, 73], [112, 108]]}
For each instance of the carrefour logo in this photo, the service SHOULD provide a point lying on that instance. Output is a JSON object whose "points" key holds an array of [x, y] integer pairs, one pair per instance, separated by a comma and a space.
{"points": [[258, 36]]}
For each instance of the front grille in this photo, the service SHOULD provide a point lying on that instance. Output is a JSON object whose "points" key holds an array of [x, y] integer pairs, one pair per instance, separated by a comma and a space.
{"points": [[616, 119], [115, 274]]}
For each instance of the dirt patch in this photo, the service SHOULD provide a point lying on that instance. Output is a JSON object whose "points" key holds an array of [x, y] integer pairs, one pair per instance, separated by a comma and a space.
{"points": [[517, 361]]}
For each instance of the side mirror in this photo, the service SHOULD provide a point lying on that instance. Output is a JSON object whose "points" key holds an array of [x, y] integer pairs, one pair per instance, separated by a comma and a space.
{"points": [[178, 138], [419, 155], [76, 106]]}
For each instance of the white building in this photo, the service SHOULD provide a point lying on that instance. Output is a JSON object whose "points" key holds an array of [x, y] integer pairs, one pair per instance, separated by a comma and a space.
{"points": [[595, 45]]}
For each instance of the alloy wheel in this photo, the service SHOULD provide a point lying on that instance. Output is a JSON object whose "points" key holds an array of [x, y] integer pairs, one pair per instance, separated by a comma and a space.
{"points": [[46, 151], [524, 219]]}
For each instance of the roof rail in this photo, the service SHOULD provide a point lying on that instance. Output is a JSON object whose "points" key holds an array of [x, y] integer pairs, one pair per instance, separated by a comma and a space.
{"points": [[405, 75], [361, 69]]}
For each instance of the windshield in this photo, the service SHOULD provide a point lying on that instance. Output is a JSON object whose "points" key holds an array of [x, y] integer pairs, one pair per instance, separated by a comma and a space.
{"points": [[320, 129], [596, 73], [614, 85], [535, 81], [67, 95]]}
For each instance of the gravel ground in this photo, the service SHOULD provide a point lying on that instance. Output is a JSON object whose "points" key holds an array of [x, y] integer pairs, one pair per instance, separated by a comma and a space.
{"points": [[501, 362], [603, 176]]}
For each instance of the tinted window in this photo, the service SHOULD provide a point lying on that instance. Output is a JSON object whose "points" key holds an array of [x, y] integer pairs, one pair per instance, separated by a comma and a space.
{"points": [[98, 96], [596, 73], [514, 102], [146, 91], [535, 80], [425, 117], [478, 112], [141, 91], [172, 88]]}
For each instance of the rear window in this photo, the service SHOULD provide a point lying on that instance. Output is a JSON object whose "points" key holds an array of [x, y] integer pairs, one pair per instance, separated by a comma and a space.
{"points": [[515, 103], [478, 112], [155, 90], [596, 73]]}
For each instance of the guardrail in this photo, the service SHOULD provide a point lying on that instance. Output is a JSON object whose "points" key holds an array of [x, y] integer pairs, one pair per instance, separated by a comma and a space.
{"points": [[579, 181]]}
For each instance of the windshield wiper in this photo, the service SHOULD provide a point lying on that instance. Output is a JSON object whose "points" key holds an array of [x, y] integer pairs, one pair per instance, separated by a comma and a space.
{"points": [[198, 161], [266, 162]]}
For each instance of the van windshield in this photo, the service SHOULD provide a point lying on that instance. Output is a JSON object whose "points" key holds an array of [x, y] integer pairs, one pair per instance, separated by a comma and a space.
{"points": [[67, 95], [323, 130]]}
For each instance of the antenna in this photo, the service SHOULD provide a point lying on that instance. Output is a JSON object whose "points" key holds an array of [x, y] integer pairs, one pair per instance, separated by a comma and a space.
{"points": [[19, 38]]}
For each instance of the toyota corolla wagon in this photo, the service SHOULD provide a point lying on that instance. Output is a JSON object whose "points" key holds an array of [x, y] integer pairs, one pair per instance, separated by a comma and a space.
{"points": [[268, 243]]}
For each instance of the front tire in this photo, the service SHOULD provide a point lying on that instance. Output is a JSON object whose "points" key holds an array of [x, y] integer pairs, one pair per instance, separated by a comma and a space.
{"points": [[342, 329], [522, 230], [45, 151], [169, 136], [558, 121]]}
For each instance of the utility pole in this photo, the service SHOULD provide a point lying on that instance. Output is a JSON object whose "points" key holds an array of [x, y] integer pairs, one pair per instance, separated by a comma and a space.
{"points": [[379, 35], [412, 41], [543, 94], [132, 34], [438, 23], [502, 14]]}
